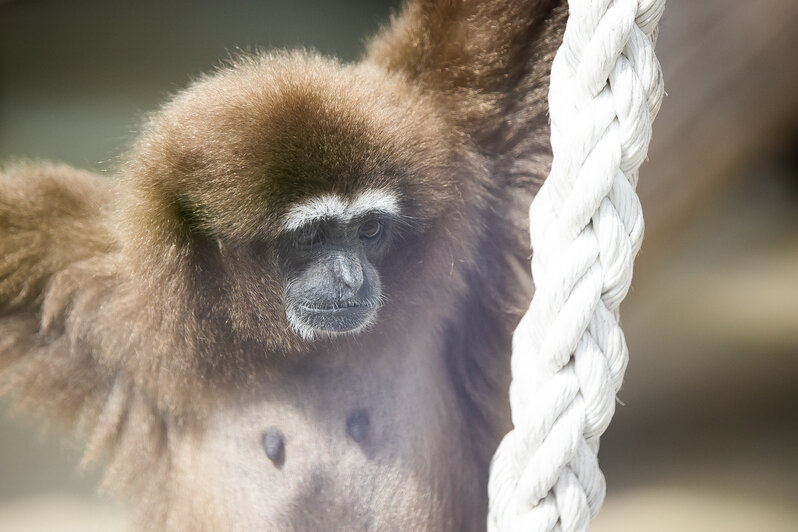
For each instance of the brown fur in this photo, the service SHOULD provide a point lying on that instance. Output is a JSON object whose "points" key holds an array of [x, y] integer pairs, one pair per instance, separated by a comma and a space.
{"points": [[149, 309]]}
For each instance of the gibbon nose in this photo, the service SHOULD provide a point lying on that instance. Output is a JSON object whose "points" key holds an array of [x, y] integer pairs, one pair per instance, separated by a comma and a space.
{"points": [[348, 272]]}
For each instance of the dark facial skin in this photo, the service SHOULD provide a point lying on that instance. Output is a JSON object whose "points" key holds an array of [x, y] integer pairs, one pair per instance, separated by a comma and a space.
{"points": [[332, 284]]}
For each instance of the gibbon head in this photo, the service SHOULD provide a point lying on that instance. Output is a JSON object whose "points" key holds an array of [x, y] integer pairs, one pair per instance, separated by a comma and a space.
{"points": [[292, 196]]}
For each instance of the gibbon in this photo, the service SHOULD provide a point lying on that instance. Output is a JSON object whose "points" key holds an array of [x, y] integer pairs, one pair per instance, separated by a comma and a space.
{"points": [[291, 307]]}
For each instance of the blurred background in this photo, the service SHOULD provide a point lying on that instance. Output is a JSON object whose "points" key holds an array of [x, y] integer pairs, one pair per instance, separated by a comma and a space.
{"points": [[706, 436]]}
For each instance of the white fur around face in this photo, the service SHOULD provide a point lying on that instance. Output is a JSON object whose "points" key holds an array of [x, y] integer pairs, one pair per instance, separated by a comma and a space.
{"points": [[333, 206]]}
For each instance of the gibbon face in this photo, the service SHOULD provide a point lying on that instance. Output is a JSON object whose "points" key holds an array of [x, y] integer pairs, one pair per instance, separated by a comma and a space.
{"points": [[297, 177], [329, 260]]}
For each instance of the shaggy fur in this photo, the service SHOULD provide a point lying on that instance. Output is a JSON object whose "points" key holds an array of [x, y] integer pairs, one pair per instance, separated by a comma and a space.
{"points": [[149, 310]]}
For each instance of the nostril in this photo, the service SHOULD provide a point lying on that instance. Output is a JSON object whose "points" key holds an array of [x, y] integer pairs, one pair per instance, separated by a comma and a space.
{"points": [[357, 425], [274, 444]]}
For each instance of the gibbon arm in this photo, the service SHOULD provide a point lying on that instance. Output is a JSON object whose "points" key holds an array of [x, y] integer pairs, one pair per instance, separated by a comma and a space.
{"points": [[53, 233]]}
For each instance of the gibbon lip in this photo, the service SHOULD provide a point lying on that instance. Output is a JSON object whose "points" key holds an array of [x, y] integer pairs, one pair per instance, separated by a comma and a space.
{"points": [[347, 305]]}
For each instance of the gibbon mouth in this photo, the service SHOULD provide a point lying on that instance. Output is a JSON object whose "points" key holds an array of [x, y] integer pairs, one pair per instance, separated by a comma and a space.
{"points": [[337, 307], [338, 317]]}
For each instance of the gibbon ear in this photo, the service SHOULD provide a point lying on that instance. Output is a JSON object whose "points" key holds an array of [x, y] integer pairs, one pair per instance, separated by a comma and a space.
{"points": [[488, 62]]}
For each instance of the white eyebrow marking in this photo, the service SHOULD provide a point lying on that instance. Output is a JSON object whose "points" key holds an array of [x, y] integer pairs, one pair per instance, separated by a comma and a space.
{"points": [[334, 206], [373, 200], [307, 212]]}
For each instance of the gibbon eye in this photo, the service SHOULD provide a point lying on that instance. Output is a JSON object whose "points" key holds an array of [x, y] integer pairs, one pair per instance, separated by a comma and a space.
{"points": [[309, 236], [371, 229]]}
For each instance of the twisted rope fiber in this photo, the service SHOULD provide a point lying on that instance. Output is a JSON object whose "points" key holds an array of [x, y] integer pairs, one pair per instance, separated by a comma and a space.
{"points": [[586, 226]]}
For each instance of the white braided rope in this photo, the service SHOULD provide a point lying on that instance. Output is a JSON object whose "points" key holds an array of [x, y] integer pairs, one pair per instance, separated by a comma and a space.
{"points": [[586, 226]]}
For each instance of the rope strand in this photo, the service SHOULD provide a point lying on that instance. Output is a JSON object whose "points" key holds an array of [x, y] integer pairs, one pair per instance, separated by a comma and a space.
{"points": [[586, 226]]}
